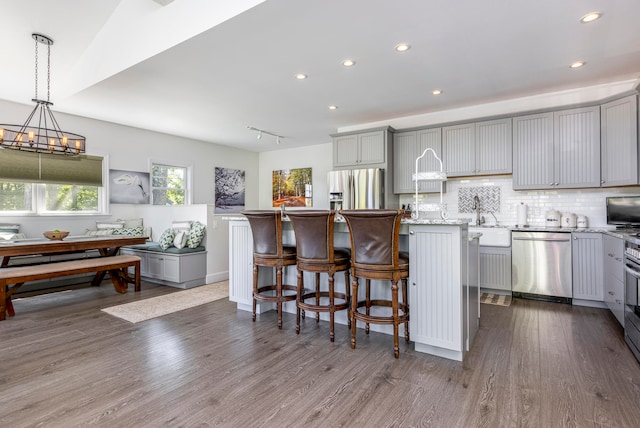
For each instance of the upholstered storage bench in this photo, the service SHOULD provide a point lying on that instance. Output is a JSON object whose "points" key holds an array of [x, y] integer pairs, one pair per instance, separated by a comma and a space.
{"points": [[181, 268]]}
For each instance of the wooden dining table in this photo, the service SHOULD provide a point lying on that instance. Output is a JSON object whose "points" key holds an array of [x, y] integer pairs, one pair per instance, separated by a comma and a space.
{"points": [[107, 246]]}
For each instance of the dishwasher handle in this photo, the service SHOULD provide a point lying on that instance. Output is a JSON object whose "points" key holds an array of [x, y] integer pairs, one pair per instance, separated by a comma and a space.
{"points": [[543, 239]]}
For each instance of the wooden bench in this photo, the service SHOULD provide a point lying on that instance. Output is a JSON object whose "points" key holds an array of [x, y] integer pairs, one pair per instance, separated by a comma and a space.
{"points": [[12, 278]]}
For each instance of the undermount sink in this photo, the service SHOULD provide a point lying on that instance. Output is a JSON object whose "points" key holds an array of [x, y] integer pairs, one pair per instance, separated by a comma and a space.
{"points": [[493, 236]]}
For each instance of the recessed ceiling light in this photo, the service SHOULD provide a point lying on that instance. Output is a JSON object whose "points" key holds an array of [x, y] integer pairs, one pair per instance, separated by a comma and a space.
{"points": [[301, 76], [333, 107], [577, 64], [402, 47], [436, 91], [348, 63], [590, 17]]}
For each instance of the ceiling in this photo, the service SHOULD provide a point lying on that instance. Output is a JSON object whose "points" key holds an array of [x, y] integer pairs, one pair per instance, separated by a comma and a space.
{"points": [[206, 70]]}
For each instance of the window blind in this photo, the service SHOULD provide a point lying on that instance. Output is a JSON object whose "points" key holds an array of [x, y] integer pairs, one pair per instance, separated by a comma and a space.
{"points": [[83, 170]]}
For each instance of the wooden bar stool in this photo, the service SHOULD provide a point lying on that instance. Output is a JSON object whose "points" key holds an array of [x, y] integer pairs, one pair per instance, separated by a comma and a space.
{"points": [[375, 236], [268, 250], [316, 253]]}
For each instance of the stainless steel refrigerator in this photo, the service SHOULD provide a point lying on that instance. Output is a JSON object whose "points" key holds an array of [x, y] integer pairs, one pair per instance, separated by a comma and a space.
{"points": [[356, 189]]}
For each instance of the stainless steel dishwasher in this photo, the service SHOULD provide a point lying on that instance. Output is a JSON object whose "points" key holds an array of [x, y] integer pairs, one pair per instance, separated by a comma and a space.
{"points": [[541, 265]]}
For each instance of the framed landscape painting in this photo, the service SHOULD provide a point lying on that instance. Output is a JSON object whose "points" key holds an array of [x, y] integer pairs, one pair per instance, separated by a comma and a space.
{"points": [[229, 197], [292, 188]]}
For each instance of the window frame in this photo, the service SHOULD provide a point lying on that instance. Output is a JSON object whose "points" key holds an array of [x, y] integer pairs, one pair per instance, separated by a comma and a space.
{"points": [[188, 178]]}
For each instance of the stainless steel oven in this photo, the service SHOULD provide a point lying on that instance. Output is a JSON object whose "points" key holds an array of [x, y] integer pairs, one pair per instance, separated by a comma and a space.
{"points": [[631, 280], [632, 294]]}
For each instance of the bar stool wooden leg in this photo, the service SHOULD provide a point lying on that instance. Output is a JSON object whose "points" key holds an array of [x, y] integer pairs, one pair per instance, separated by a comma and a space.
{"points": [[354, 308], [298, 299], [405, 299], [279, 295], [317, 295], [332, 307], [394, 308], [255, 289], [348, 297], [368, 311]]}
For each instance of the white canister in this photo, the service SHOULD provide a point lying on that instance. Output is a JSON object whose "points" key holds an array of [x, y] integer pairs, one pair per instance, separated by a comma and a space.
{"points": [[552, 218], [582, 222], [568, 220]]}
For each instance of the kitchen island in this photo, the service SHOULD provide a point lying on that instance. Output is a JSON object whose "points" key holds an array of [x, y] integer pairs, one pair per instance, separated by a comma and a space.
{"points": [[443, 281]]}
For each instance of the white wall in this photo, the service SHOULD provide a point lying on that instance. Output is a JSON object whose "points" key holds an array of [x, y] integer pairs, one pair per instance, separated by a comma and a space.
{"points": [[133, 149]]}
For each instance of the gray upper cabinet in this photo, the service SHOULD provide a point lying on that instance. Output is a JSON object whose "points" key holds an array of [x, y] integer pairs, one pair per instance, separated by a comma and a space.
{"points": [[557, 150], [533, 151], [480, 148], [619, 142], [362, 150], [407, 146]]}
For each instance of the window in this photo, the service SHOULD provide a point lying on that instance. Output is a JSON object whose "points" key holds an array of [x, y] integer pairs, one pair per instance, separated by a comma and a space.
{"points": [[40, 198], [170, 184], [44, 184]]}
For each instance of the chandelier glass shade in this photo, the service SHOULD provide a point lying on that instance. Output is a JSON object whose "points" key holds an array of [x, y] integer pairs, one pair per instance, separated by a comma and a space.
{"points": [[41, 133]]}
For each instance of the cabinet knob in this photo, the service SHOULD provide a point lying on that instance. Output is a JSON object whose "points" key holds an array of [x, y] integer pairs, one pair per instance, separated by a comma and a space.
{"points": [[618, 301], [602, 181], [411, 232], [618, 259], [413, 283], [611, 293]]}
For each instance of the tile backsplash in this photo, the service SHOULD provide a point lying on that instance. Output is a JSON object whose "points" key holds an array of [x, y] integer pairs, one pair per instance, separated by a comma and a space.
{"points": [[489, 199], [496, 194]]}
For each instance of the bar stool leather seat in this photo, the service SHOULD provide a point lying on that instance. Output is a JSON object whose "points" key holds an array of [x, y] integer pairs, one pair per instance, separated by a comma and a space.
{"points": [[316, 253], [268, 251], [375, 255]]}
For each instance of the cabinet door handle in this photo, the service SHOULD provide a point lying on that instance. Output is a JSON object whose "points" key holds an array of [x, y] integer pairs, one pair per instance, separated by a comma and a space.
{"points": [[610, 254], [611, 293], [618, 259]]}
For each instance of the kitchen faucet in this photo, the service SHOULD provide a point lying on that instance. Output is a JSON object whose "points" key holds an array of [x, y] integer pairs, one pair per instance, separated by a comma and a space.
{"points": [[476, 206]]}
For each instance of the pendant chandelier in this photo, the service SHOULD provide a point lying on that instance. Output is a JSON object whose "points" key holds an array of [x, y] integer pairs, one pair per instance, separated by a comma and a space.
{"points": [[41, 133]]}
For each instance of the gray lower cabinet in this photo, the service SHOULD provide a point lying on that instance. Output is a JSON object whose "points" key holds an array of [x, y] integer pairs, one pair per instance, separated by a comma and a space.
{"points": [[478, 148], [407, 146], [619, 142], [613, 255], [176, 270], [557, 149], [495, 268], [586, 255]]}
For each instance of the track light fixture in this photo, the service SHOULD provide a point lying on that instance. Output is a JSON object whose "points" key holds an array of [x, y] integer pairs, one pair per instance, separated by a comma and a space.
{"points": [[262, 131]]}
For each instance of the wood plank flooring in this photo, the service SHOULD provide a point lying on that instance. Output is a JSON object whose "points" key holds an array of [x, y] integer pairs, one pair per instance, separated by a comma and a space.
{"points": [[65, 363]]}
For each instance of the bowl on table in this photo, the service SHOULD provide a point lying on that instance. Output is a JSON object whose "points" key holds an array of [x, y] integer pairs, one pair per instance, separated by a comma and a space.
{"points": [[55, 235]]}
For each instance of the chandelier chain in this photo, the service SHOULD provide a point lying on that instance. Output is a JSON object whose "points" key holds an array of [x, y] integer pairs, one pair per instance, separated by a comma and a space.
{"points": [[48, 72], [36, 79]]}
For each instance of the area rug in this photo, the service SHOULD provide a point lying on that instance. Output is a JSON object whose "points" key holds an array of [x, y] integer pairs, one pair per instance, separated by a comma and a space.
{"points": [[154, 307], [495, 299]]}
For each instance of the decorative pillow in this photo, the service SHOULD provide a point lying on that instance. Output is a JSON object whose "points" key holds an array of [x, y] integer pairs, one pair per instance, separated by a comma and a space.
{"points": [[112, 225], [129, 231], [101, 232], [10, 228], [196, 234], [180, 240], [8, 236], [133, 222], [166, 239], [179, 226]]}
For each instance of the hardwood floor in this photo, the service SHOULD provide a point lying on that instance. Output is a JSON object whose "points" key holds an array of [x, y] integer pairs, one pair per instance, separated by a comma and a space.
{"points": [[65, 363]]}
